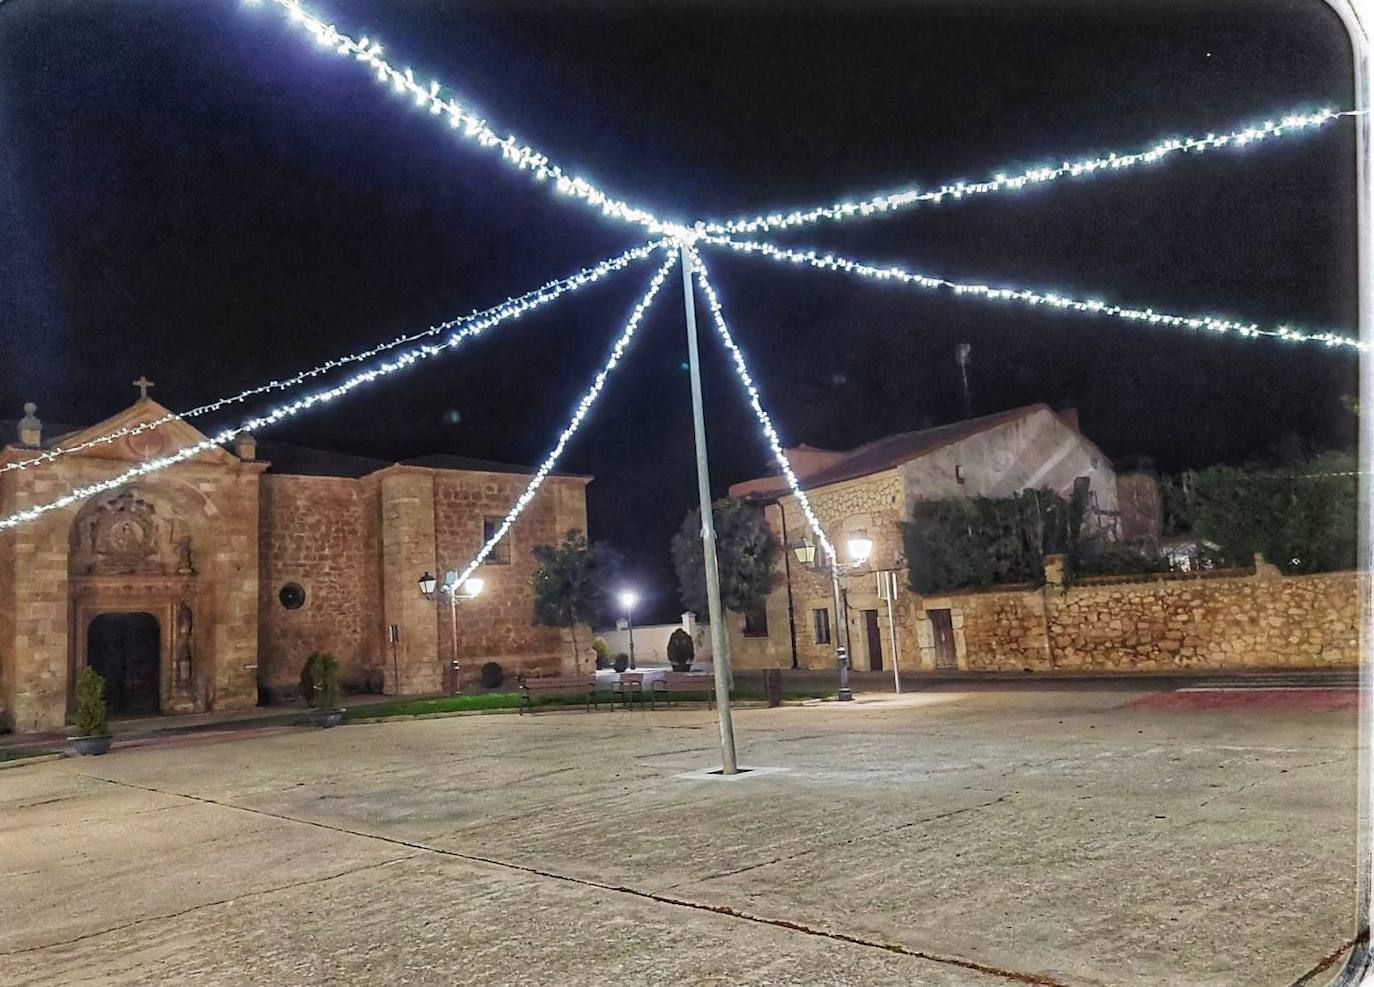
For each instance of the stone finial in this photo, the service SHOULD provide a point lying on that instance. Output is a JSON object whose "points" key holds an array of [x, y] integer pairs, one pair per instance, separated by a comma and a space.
{"points": [[30, 428], [245, 446], [1055, 571]]}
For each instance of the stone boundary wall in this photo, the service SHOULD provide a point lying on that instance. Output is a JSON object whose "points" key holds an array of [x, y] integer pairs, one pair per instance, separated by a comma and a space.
{"points": [[1209, 622]]}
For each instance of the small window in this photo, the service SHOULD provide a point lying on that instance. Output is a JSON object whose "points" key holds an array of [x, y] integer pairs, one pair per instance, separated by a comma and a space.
{"points": [[292, 596], [958, 474], [500, 552], [820, 625], [756, 624]]}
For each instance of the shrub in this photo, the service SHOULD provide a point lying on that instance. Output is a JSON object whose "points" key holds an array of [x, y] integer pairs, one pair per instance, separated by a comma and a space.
{"points": [[602, 662], [681, 651], [320, 681], [603, 651], [492, 675], [90, 704], [622, 662]]}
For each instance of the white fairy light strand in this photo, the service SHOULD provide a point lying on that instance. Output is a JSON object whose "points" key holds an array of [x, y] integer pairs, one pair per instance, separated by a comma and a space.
{"points": [[531, 299], [1248, 330], [432, 96], [905, 198], [583, 406], [408, 358], [755, 401]]}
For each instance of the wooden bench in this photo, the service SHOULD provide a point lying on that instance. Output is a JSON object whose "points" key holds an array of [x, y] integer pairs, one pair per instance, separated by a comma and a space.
{"points": [[629, 685], [557, 685], [672, 682]]}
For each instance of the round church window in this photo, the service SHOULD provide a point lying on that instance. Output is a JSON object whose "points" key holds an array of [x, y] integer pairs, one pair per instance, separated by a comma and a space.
{"points": [[292, 596]]}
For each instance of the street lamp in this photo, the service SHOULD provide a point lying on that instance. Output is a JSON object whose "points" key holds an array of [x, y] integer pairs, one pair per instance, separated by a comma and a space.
{"points": [[628, 600], [860, 547], [455, 593]]}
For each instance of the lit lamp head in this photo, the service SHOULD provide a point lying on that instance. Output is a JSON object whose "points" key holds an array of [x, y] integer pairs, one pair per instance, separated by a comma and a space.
{"points": [[860, 547], [628, 599], [471, 587], [806, 552], [427, 584]]}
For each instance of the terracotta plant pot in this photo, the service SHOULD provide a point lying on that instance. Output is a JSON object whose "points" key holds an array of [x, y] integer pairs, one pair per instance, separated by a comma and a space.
{"points": [[91, 745]]}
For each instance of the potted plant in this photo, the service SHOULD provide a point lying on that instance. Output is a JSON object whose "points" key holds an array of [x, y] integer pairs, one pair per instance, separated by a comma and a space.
{"points": [[681, 651], [322, 675], [92, 731], [603, 652]]}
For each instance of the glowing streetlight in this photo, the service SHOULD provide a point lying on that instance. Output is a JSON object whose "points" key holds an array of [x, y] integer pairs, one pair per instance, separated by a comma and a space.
{"points": [[467, 591], [628, 599]]}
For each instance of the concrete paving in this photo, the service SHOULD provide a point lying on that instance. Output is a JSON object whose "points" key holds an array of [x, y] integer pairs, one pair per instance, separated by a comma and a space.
{"points": [[1053, 836]]}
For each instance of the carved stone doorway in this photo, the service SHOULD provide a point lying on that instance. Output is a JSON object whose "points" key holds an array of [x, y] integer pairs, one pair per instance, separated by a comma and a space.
{"points": [[126, 649]]}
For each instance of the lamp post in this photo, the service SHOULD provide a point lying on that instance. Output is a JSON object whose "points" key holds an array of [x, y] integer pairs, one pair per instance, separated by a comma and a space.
{"points": [[628, 600], [860, 547], [467, 592]]}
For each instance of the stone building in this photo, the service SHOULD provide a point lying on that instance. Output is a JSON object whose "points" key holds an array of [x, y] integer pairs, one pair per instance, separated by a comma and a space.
{"points": [[870, 490], [206, 585]]}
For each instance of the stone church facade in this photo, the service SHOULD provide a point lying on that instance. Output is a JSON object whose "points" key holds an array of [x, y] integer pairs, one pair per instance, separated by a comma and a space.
{"points": [[206, 585]]}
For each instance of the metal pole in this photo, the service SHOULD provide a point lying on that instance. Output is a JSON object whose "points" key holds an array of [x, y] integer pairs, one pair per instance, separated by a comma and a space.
{"points": [[890, 578], [844, 695], [720, 648], [630, 620], [453, 633]]}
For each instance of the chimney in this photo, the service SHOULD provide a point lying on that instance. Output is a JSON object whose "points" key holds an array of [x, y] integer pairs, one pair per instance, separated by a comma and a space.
{"points": [[245, 446], [30, 428], [1069, 416]]}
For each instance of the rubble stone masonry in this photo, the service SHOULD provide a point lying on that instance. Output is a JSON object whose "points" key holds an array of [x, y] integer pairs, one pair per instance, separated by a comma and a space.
{"points": [[1211, 622]]}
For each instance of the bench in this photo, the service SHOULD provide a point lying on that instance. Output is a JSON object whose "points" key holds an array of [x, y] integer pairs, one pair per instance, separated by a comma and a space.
{"points": [[557, 685], [629, 685], [672, 682]]}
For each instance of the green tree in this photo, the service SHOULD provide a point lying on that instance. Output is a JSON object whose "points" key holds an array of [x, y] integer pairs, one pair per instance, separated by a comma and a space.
{"points": [[746, 553], [972, 542], [571, 583], [1301, 517]]}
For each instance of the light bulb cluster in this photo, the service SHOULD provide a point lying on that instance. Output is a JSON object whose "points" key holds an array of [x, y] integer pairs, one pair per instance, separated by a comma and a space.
{"points": [[531, 299], [472, 326], [1048, 299], [756, 402], [432, 96], [583, 407], [1001, 182]]}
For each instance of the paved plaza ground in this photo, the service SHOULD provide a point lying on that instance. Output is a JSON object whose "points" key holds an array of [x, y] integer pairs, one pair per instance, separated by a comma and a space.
{"points": [[981, 837]]}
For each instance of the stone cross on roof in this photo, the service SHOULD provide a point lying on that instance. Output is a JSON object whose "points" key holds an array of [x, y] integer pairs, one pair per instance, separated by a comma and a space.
{"points": [[143, 383]]}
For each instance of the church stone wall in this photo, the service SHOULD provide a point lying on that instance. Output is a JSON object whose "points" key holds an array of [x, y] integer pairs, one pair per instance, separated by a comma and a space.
{"points": [[496, 626], [315, 532]]}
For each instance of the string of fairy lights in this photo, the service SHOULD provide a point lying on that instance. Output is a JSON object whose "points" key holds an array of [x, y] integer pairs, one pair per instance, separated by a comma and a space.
{"points": [[678, 240], [1149, 316], [574, 423], [472, 326], [542, 295]]}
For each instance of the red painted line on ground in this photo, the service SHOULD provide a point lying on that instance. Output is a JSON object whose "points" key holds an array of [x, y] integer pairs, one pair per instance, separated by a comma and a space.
{"points": [[1299, 700]]}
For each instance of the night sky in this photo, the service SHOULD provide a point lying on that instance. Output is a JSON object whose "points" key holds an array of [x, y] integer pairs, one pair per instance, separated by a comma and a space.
{"points": [[194, 191]]}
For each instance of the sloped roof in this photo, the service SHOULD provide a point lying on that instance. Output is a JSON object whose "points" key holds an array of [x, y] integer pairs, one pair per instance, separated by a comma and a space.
{"points": [[887, 453], [294, 460]]}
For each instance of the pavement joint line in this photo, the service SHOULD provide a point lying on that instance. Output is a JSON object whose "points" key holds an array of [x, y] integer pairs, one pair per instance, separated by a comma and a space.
{"points": [[1016, 976], [206, 904], [1330, 959]]}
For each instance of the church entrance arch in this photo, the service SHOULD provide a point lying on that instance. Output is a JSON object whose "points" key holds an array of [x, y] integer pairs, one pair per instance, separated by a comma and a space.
{"points": [[134, 599]]}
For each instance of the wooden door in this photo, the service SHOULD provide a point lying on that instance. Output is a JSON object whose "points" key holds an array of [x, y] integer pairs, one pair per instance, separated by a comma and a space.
{"points": [[943, 624], [875, 641]]}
